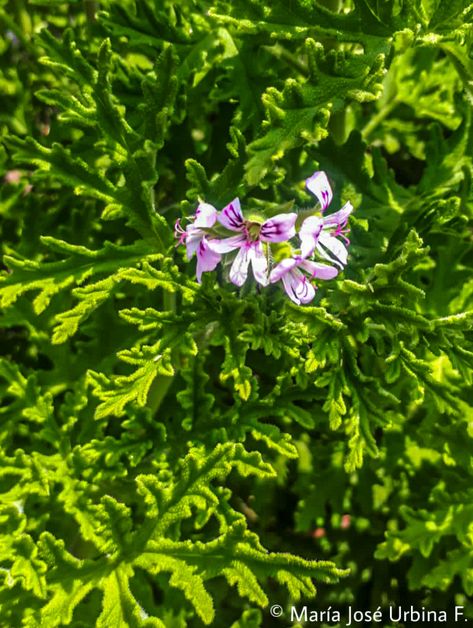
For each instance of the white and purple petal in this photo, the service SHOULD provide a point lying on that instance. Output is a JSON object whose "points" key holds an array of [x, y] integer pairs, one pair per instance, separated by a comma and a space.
{"points": [[259, 263], [207, 259], [193, 239], [309, 233], [279, 228], [239, 269], [285, 266], [338, 252], [231, 216], [319, 186], [340, 218], [226, 245], [297, 287], [205, 216], [317, 270]]}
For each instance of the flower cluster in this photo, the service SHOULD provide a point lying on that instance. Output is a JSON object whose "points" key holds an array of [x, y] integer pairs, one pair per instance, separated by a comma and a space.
{"points": [[269, 246]]}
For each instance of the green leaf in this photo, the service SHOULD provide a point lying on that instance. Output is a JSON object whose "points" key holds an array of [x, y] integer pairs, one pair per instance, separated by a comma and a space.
{"points": [[52, 277]]}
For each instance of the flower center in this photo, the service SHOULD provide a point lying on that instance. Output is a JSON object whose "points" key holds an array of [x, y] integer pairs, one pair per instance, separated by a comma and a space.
{"points": [[253, 230]]}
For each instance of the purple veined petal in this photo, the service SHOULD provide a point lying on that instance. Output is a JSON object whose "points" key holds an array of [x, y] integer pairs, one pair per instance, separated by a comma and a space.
{"points": [[279, 228], [305, 291], [319, 186], [338, 218], [227, 244], [231, 216], [206, 259], [239, 269], [193, 239], [312, 224], [308, 244], [309, 233], [339, 253], [287, 283], [298, 287], [205, 216], [259, 263], [315, 269], [282, 269]]}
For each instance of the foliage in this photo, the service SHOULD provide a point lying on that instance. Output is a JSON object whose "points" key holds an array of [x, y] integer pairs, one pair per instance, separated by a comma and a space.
{"points": [[163, 442]]}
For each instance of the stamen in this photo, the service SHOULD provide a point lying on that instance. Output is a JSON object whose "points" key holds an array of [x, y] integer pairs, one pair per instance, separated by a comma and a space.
{"points": [[179, 232], [341, 232]]}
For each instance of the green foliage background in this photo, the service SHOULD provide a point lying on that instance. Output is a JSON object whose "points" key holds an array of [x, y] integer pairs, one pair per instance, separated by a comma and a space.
{"points": [[175, 454]]}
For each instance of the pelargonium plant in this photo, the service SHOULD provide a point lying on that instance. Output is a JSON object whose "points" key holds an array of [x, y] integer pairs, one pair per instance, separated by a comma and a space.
{"points": [[218, 447], [270, 246]]}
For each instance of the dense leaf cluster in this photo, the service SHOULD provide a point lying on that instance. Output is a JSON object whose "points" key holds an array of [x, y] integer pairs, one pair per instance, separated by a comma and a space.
{"points": [[175, 453]]}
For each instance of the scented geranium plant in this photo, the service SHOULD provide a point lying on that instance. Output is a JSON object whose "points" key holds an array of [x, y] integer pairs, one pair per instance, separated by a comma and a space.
{"points": [[212, 400]]}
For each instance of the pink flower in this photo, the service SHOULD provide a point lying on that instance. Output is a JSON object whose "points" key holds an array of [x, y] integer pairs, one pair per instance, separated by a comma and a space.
{"points": [[196, 238], [297, 284], [12, 176], [322, 233], [249, 240]]}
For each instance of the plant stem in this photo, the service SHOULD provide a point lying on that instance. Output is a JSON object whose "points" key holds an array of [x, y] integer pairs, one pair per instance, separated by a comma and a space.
{"points": [[331, 5], [90, 8], [161, 383], [158, 391], [378, 118], [337, 126], [282, 53]]}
